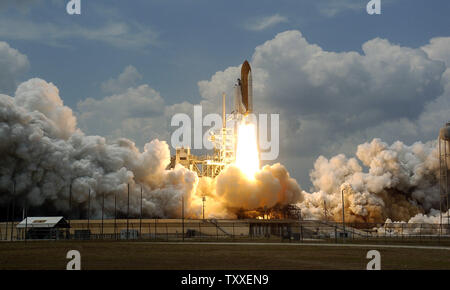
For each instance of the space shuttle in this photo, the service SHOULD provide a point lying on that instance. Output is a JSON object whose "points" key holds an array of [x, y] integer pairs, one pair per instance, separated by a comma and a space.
{"points": [[243, 91]]}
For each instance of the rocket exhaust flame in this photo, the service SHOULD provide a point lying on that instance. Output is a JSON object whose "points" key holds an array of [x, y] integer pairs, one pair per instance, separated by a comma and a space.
{"points": [[247, 156]]}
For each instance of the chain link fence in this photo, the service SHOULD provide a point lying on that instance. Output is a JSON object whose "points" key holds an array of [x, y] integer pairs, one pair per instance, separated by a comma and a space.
{"points": [[227, 230]]}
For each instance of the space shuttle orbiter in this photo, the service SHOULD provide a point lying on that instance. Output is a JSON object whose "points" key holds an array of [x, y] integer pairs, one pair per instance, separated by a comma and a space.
{"points": [[243, 91]]}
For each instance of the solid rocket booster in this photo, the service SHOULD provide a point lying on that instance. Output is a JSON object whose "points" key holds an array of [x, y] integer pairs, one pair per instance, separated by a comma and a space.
{"points": [[243, 91]]}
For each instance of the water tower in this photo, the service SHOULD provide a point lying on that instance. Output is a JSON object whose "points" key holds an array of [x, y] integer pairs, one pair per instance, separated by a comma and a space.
{"points": [[444, 164]]}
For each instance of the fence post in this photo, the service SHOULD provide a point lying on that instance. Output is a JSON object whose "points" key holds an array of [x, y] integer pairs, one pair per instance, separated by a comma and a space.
{"points": [[440, 232], [420, 232], [335, 234], [233, 230], [282, 233], [301, 233]]}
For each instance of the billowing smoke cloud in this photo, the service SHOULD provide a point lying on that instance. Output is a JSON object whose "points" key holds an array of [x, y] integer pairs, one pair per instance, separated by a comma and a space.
{"points": [[384, 90], [401, 181], [43, 152], [232, 191]]}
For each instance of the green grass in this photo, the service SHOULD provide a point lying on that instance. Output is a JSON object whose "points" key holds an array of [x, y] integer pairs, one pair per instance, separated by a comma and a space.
{"points": [[147, 255]]}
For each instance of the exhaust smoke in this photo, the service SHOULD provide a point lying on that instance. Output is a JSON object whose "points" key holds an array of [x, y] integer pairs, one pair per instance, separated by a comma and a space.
{"points": [[43, 152]]}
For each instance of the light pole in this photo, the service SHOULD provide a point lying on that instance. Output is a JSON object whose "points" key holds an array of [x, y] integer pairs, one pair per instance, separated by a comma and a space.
{"points": [[203, 200], [140, 218], [70, 202], [26, 221], [115, 215], [343, 213], [103, 210], [182, 218], [128, 209], [13, 206], [89, 210], [7, 219]]}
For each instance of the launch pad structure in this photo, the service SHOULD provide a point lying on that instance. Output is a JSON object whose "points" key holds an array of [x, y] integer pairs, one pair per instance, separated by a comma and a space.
{"points": [[224, 140]]}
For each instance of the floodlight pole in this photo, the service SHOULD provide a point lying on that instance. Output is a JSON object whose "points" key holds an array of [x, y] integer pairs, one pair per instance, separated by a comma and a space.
{"points": [[343, 214], [115, 215], [203, 200], [7, 219], [26, 221], [12, 218], [140, 218], [128, 208], [103, 209], [12, 209], [89, 209], [182, 217], [70, 202]]}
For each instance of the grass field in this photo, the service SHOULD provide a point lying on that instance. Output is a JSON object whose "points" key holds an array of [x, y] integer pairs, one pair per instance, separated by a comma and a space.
{"points": [[147, 255]]}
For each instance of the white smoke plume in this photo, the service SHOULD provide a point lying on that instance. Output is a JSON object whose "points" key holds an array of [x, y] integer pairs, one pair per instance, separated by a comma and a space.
{"points": [[401, 182], [421, 224], [232, 191], [43, 152]]}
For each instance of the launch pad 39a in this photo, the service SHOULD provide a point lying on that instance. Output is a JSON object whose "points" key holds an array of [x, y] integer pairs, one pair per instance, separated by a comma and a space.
{"points": [[224, 140]]}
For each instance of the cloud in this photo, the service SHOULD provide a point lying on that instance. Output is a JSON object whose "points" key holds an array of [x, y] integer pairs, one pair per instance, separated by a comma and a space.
{"points": [[12, 65], [120, 34], [265, 22], [137, 113], [331, 8], [128, 78], [329, 102], [438, 48], [44, 154], [36, 95], [438, 111]]}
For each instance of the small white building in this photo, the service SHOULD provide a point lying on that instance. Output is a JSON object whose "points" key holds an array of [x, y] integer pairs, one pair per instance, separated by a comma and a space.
{"points": [[44, 228]]}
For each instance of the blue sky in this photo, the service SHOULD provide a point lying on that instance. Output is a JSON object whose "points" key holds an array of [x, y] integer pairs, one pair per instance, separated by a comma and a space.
{"points": [[195, 38], [170, 46]]}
